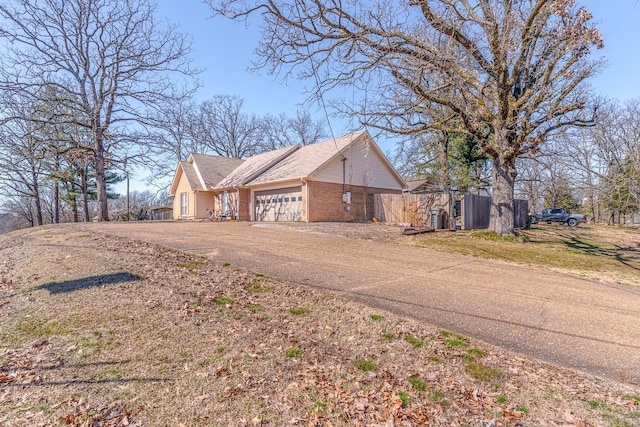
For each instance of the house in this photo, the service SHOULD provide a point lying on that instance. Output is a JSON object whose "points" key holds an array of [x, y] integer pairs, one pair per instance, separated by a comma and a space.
{"points": [[417, 185], [333, 180]]}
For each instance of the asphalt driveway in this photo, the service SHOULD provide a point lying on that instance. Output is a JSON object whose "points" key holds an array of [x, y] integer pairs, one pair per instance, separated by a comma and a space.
{"points": [[560, 319]]}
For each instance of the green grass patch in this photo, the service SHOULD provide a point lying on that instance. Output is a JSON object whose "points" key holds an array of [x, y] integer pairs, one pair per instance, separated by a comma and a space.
{"points": [[318, 406], [417, 383], [254, 308], [33, 329], [437, 396], [205, 362], [226, 264], [457, 341], [491, 236], [404, 398], [365, 365], [414, 341], [191, 264], [388, 336], [376, 317], [522, 409], [501, 399], [257, 288], [596, 404], [476, 352], [299, 311], [223, 300], [483, 373], [294, 353]]}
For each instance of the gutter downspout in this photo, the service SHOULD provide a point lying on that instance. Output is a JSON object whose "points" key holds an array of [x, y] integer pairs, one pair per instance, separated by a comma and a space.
{"points": [[306, 198]]}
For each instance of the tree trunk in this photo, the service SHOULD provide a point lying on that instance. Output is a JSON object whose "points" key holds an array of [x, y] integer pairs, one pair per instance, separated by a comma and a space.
{"points": [[502, 217], [101, 182], [56, 202], [74, 209], [36, 197], [85, 195], [443, 160]]}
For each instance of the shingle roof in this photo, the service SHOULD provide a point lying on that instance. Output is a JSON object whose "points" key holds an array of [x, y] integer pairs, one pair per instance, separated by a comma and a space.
{"points": [[212, 169], [306, 160], [254, 166], [191, 175]]}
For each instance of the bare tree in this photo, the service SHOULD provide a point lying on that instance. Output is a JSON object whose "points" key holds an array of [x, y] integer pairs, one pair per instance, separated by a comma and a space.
{"points": [[172, 137], [304, 129], [601, 159], [23, 156], [225, 129], [109, 58], [517, 66], [281, 130]]}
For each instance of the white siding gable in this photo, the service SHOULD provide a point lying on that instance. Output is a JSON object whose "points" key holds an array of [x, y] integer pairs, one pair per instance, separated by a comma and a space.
{"points": [[363, 167]]}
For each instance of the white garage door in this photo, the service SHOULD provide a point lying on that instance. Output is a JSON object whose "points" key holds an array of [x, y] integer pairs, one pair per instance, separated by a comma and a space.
{"points": [[284, 204]]}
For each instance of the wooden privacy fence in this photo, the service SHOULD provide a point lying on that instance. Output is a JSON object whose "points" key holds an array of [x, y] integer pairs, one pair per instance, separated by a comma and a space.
{"points": [[413, 210], [432, 210], [476, 209]]}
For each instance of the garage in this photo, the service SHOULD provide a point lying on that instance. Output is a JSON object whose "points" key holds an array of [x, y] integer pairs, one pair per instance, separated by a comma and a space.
{"points": [[283, 204]]}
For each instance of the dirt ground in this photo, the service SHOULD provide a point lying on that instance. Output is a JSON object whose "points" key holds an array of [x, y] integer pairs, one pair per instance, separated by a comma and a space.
{"points": [[109, 331]]}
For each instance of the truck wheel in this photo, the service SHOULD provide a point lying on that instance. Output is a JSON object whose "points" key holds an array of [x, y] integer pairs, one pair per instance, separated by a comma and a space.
{"points": [[572, 222], [533, 219], [548, 222]]}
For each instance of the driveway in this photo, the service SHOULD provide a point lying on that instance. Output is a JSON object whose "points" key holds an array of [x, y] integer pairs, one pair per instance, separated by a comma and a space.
{"points": [[564, 320]]}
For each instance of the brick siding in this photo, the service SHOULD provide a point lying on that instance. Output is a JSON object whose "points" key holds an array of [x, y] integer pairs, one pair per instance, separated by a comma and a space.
{"points": [[325, 202]]}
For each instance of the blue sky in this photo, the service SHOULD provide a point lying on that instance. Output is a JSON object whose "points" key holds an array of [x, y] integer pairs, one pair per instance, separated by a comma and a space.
{"points": [[224, 49]]}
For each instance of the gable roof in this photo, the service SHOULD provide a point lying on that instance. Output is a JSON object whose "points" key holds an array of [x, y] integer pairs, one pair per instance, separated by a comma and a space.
{"points": [[254, 166], [304, 162], [212, 169], [185, 168], [307, 159], [205, 172]]}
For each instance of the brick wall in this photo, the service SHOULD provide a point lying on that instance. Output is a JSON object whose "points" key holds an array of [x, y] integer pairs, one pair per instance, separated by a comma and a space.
{"points": [[244, 213], [325, 202]]}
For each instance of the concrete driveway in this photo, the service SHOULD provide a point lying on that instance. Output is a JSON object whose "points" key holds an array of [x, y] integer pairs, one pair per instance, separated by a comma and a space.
{"points": [[567, 321]]}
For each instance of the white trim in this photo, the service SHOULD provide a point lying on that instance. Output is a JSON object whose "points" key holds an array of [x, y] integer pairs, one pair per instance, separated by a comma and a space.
{"points": [[195, 168]]}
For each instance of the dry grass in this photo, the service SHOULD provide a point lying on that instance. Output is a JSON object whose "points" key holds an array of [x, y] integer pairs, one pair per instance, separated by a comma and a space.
{"points": [[105, 331], [597, 252]]}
